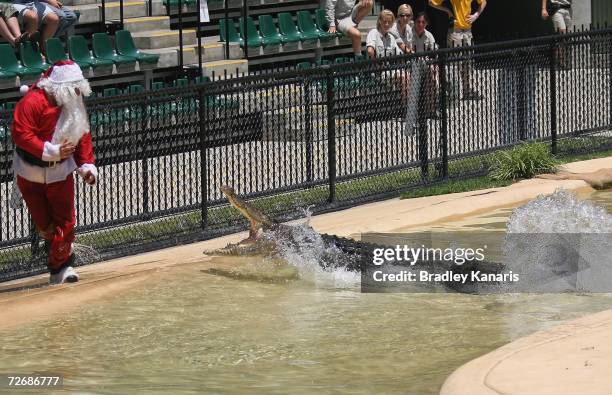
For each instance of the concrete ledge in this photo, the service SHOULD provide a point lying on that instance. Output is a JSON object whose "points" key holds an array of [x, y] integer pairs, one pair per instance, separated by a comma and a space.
{"points": [[572, 358]]}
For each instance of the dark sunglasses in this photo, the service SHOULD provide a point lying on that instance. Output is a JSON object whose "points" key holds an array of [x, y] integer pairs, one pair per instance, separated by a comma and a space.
{"points": [[403, 15]]}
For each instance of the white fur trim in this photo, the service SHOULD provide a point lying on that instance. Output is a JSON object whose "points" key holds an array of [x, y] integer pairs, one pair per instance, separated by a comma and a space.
{"points": [[23, 89], [85, 167], [51, 152], [66, 73]]}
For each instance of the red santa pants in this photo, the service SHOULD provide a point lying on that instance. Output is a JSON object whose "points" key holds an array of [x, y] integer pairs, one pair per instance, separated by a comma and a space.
{"points": [[52, 209]]}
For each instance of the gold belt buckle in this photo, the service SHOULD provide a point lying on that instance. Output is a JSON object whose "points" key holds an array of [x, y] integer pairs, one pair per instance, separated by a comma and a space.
{"points": [[53, 164]]}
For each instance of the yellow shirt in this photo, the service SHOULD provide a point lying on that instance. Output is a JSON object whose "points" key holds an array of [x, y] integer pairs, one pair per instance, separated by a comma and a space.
{"points": [[461, 9]]}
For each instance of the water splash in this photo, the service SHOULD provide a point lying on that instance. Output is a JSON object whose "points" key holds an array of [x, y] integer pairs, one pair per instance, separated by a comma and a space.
{"points": [[318, 261], [560, 243], [560, 212]]}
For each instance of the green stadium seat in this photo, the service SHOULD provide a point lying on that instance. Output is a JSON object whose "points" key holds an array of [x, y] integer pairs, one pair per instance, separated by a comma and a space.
{"points": [[174, 3], [103, 49], [7, 75], [321, 21], [157, 85], [10, 105], [9, 63], [342, 59], [233, 35], [269, 32], [136, 111], [323, 62], [108, 92], [203, 79], [308, 27], [304, 66], [180, 82], [287, 28], [55, 50], [79, 53], [254, 39], [126, 47], [31, 57], [134, 89]]}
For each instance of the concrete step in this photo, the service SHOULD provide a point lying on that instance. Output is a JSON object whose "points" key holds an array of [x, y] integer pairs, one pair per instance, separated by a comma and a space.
{"points": [[169, 57], [234, 67], [155, 39], [91, 13], [71, 3], [146, 23]]}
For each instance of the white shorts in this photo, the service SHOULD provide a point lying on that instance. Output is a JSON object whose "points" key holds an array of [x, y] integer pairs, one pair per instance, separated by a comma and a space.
{"points": [[562, 20], [344, 24], [41, 8], [460, 38]]}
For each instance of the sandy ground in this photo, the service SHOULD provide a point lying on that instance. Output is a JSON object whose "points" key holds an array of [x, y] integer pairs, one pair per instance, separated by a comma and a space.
{"points": [[571, 358]]}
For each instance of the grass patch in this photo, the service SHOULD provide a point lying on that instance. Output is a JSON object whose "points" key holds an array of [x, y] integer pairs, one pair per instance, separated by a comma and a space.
{"points": [[454, 186], [523, 161]]}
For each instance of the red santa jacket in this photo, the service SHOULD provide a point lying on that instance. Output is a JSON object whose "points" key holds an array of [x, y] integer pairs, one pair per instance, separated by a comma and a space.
{"points": [[34, 122]]}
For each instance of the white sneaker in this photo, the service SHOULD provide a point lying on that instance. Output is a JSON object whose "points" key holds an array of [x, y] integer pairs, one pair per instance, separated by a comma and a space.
{"points": [[66, 275]]}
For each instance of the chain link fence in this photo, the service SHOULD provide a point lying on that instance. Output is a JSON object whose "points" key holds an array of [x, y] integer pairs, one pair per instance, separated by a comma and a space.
{"points": [[322, 138]]}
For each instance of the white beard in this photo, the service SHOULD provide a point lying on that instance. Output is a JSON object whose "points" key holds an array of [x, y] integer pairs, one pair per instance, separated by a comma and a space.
{"points": [[72, 123]]}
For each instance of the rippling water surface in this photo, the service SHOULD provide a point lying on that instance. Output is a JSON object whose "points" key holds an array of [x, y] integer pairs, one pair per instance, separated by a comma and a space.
{"points": [[186, 331]]}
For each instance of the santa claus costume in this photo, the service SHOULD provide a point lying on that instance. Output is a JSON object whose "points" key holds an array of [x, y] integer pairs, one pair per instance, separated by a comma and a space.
{"points": [[52, 139]]}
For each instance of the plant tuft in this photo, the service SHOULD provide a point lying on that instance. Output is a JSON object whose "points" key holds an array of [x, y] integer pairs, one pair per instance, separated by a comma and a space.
{"points": [[523, 161]]}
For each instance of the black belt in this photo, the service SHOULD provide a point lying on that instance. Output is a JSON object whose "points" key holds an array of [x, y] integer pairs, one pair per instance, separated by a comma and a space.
{"points": [[33, 160]]}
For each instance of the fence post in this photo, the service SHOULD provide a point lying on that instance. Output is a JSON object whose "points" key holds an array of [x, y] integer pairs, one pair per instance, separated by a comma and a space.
{"points": [[103, 16], [180, 21], [203, 123], [443, 115], [143, 142], [308, 129], [610, 74], [553, 96], [120, 14], [226, 16], [245, 13], [519, 59], [331, 134]]}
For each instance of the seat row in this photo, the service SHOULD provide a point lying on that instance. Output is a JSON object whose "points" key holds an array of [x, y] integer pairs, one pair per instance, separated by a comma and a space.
{"points": [[104, 55], [162, 110], [307, 29], [321, 62]]}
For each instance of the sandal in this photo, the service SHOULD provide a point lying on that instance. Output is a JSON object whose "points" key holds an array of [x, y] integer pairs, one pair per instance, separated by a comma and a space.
{"points": [[34, 37]]}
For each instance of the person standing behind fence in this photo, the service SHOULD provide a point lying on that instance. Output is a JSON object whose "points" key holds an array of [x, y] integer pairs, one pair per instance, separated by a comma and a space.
{"points": [[560, 12], [380, 42], [402, 29], [52, 140], [460, 34], [345, 15], [422, 39]]}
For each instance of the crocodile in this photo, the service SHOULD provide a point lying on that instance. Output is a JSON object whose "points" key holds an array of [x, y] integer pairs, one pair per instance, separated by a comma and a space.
{"points": [[265, 243], [279, 241]]}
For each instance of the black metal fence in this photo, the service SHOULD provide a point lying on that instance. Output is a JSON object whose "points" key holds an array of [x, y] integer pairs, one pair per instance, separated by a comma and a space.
{"points": [[328, 137]]}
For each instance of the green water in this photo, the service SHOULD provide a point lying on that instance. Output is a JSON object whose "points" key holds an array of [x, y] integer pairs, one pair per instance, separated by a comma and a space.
{"points": [[188, 332]]}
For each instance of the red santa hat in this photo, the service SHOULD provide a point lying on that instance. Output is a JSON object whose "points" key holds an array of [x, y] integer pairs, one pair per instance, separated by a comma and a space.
{"points": [[63, 73]]}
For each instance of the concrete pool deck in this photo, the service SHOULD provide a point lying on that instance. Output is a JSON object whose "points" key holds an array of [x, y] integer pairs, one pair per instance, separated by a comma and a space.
{"points": [[570, 358]]}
